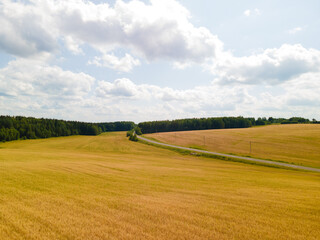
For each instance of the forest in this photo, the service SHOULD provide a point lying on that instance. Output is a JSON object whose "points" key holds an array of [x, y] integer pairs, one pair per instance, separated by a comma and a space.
{"points": [[196, 124], [214, 123], [116, 126], [14, 128]]}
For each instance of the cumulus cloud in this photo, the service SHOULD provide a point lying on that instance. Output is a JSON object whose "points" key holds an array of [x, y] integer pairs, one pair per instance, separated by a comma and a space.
{"points": [[140, 27], [287, 99], [120, 87], [25, 30], [125, 64], [295, 30], [73, 45], [149, 30], [199, 97], [36, 79], [254, 12], [30, 87], [160, 29], [304, 91], [272, 66]]}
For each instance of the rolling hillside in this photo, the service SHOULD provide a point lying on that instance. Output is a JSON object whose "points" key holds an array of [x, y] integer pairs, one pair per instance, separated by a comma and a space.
{"points": [[296, 143], [106, 187]]}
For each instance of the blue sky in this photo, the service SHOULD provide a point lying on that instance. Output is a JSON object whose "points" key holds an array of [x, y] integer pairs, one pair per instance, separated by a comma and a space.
{"points": [[162, 59]]}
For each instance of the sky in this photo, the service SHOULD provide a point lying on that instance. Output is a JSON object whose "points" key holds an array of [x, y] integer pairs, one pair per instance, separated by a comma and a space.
{"points": [[141, 60]]}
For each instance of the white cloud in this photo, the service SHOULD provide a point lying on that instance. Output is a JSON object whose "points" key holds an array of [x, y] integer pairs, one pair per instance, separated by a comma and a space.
{"points": [[121, 88], [181, 66], [24, 30], [254, 12], [73, 45], [287, 99], [124, 64], [304, 91], [247, 12], [33, 88], [36, 79], [295, 30], [200, 98], [272, 66], [158, 30]]}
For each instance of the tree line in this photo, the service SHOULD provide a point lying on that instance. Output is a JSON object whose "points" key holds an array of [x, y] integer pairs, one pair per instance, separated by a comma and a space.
{"points": [[14, 128], [292, 120], [116, 126], [215, 123], [196, 124]]}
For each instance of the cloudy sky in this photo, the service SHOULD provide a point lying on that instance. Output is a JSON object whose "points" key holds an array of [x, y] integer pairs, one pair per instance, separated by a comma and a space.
{"points": [[109, 60]]}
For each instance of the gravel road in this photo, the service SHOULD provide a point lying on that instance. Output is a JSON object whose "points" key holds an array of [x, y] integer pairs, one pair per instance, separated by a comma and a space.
{"points": [[233, 156]]}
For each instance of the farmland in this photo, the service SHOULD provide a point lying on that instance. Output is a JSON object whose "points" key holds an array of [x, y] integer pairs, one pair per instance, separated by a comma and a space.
{"points": [[106, 187], [298, 144]]}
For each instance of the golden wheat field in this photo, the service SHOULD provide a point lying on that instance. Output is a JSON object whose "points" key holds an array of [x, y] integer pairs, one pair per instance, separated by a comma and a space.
{"points": [[106, 187], [298, 143]]}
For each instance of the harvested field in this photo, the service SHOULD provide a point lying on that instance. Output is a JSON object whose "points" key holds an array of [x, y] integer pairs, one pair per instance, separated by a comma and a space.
{"points": [[106, 187], [298, 144]]}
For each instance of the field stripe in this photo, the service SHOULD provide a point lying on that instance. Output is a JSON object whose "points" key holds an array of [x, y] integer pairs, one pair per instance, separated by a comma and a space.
{"points": [[256, 160]]}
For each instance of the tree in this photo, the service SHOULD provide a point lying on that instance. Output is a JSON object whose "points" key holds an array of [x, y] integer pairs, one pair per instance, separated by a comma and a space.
{"points": [[138, 131], [133, 137]]}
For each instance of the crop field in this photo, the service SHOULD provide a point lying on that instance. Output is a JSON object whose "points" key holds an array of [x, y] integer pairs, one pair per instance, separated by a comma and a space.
{"points": [[106, 187], [298, 143]]}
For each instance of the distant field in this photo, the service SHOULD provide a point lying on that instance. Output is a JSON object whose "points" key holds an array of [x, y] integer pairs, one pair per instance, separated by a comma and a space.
{"points": [[298, 143], [106, 187]]}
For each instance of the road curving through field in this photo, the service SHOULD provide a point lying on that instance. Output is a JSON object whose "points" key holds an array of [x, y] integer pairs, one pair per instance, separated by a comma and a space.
{"points": [[248, 159]]}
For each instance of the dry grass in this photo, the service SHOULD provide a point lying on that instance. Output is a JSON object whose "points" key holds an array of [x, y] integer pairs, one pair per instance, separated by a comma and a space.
{"points": [[298, 144], [106, 187]]}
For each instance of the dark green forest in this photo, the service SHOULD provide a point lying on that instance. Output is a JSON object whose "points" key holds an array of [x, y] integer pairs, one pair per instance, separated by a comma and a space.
{"points": [[196, 124], [116, 126], [214, 123], [14, 128]]}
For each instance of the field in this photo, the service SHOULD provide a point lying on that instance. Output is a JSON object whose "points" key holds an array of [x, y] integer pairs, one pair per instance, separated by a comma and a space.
{"points": [[298, 144], [106, 187]]}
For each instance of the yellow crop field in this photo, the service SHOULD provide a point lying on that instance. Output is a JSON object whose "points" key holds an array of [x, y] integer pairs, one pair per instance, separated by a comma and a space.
{"points": [[298, 143], [106, 187]]}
